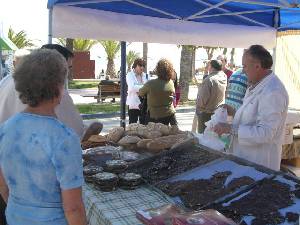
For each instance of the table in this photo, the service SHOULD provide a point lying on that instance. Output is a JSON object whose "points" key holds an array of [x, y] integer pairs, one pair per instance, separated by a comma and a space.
{"points": [[119, 207]]}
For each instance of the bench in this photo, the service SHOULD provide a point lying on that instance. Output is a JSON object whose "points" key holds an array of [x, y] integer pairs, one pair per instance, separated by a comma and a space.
{"points": [[108, 91]]}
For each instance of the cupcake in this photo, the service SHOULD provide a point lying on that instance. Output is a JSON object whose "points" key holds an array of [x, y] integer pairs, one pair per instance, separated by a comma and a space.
{"points": [[90, 170], [115, 166], [130, 181], [106, 181]]}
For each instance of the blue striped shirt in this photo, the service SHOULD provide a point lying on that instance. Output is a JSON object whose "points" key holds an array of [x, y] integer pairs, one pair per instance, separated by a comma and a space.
{"points": [[236, 89]]}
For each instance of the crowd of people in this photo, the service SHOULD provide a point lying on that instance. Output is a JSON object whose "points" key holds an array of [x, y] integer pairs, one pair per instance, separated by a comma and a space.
{"points": [[41, 129]]}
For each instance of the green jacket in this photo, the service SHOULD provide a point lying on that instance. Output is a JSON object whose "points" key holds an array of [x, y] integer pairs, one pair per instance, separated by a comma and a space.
{"points": [[159, 97]]}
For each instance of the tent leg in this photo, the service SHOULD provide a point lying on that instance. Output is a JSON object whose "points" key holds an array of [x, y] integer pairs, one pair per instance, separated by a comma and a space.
{"points": [[123, 84], [50, 32], [276, 25]]}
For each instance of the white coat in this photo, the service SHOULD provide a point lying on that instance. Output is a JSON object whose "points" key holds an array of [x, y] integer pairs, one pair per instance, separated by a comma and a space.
{"points": [[260, 121], [133, 100], [10, 104]]}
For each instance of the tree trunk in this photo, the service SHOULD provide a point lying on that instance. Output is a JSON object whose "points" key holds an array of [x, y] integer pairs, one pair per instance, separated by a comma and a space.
{"points": [[232, 57], [69, 46], [145, 55], [186, 65], [110, 69]]}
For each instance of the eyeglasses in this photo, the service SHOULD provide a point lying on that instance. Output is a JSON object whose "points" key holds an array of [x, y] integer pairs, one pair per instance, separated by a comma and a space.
{"points": [[142, 66]]}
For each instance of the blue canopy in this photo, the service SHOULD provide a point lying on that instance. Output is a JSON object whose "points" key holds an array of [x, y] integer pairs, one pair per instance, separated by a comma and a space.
{"points": [[260, 13]]}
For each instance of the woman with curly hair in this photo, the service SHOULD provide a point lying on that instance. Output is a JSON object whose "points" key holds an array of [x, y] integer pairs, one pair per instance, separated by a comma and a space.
{"points": [[160, 94], [40, 158]]}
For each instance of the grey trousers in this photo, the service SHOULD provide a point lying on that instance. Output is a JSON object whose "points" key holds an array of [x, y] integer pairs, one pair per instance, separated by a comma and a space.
{"points": [[203, 117]]}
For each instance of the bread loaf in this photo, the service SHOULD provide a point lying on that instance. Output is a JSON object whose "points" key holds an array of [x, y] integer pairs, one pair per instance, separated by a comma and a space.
{"points": [[143, 143], [97, 138], [165, 142], [115, 134], [129, 140]]}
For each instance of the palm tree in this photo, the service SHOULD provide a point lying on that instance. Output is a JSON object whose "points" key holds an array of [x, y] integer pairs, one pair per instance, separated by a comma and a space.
{"points": [[145, 55], [19, 39], [82, 45], [111, 48], [130, 57], [186, 70]]}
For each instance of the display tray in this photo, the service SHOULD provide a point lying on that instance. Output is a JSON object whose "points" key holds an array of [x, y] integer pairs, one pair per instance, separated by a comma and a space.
{"points": [[204, 185], [272, 201], [172, 162]]}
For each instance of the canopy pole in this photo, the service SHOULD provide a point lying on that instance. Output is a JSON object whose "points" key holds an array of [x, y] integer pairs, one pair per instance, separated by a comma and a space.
{"points": [[50, 33], [1, 75], [276, 25], [123, 85]]}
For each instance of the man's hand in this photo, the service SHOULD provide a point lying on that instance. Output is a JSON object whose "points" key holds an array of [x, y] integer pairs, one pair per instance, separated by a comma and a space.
{"points": [[230, 109], [222, 128]]}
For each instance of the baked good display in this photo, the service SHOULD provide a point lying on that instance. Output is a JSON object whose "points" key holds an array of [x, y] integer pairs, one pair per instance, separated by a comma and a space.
{"points": [[90, 170], [106, 181], [115, 166], [129, 181], [115, 134]]}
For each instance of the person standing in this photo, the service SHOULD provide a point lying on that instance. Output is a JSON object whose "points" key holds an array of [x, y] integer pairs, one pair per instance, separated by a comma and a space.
{"points": [[258, 125], [225, 69], [236, 89], [211, 93], [40, 158], [135, 79], [160, 94]]}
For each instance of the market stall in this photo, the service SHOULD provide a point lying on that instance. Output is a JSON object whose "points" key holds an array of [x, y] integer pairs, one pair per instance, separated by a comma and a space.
{"points": [[185, 174]]}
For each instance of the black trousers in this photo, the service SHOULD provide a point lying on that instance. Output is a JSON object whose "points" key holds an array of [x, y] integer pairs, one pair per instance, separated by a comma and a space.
{"points": [[165, 120], [2, 211], [136, 115]]}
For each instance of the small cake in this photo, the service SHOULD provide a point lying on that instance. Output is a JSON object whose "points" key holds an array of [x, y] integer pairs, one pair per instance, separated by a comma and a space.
{"points": [[90, 170], [130, 181], [106, 181], [115, 166]]}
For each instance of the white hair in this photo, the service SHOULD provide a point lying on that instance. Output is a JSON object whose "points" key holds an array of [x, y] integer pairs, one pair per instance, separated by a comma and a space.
{"points": [[20, 53]]}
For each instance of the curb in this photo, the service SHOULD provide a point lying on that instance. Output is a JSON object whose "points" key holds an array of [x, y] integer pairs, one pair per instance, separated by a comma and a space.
{"points": [[117, 114]]}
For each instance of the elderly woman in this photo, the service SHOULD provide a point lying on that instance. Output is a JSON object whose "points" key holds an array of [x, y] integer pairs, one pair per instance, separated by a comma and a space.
{"points": [[40, 158], [160, 94]]}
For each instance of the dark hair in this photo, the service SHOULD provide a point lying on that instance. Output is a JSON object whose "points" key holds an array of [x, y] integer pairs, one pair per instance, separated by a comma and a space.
{"points": [[39, 76], [138, 61], [164, 69], [62, 50], [216, 64], [261, 54]]}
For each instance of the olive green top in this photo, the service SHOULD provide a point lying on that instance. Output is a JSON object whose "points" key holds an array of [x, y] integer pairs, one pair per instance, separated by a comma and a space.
{"points": [[159, 97]]}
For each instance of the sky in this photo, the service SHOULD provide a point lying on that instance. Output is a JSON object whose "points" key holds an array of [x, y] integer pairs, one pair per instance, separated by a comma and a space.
{"points": [[32, 17]]}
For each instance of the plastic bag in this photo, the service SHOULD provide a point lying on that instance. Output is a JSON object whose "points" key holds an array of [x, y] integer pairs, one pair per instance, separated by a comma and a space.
{"points": [[211, 139], [206, 217], [158, 216]]}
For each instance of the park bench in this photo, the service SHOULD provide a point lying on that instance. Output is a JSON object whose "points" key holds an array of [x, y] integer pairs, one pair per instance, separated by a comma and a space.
{"points": [[108, 91]]}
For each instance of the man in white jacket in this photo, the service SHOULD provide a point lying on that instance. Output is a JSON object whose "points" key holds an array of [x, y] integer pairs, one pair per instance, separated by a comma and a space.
{"points": [[258, 125]]}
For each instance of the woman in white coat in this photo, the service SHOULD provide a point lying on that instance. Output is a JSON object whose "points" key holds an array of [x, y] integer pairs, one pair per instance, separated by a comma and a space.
{"points": [[135, 80], [258, 125]]}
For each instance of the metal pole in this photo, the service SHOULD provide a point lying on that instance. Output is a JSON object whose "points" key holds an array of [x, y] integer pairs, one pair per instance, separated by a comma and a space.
{"points": [[123, 84], [1, 75], [50, 26], [276, 25]]}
